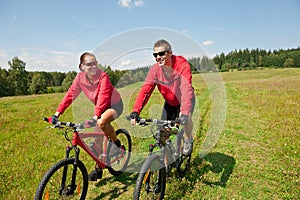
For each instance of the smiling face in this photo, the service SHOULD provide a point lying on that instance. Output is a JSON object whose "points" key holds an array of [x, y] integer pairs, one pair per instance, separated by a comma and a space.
{"points": [[89, 65], [162, 56]]}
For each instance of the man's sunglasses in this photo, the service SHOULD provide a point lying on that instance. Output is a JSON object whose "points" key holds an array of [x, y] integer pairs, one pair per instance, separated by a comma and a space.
{"points": [[162, 53]]}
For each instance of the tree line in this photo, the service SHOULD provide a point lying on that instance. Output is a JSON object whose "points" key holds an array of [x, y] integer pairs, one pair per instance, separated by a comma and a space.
{"points": [[17, 81], [257, 58]]}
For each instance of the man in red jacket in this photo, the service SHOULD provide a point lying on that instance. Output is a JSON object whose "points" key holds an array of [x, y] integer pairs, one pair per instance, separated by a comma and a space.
{"points": [[172, 76]]}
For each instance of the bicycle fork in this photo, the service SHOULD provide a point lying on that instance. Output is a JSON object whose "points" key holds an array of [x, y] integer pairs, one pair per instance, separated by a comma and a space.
{"points": [[70, 188]]}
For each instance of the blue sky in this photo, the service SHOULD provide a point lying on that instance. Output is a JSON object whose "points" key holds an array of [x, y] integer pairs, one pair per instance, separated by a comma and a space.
{"points": [[51, 35]]}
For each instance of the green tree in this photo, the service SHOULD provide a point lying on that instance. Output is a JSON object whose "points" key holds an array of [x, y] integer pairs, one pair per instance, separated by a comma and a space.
{"points": [[18, 76], [195, 64], [38, 83], [56, 78], [68, 80], [289, 62], [5, 89], [126, 79], [297, 59]]}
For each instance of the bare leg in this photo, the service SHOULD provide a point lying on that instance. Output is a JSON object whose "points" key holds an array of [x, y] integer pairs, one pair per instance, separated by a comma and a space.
{"points": [[188, 128], [104, 123]]}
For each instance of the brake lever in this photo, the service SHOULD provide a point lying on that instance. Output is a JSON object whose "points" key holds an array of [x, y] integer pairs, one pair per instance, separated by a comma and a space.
{"points": [[143, 123]]}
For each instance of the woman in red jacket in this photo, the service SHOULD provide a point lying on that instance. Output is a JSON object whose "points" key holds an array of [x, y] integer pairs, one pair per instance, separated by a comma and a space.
{"points": [[96, 86], [172, 76]]}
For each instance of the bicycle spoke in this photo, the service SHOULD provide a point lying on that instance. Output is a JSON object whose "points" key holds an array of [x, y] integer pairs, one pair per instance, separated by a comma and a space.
{"points": [[151, 180], [73, 186], [118, 164]]}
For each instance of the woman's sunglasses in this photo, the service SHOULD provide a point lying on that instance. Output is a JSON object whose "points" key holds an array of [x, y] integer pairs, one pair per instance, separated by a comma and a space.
{"points": [[162, 53], [91, 64]]}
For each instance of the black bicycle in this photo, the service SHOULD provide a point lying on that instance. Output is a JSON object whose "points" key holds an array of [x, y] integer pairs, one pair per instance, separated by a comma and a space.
{"points": [[151, 181]]}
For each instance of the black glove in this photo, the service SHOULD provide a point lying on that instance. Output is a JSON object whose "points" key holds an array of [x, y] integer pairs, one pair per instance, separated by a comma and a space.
{"points": [[135, 115], [54, 119], [89, 123], [183, 119]]}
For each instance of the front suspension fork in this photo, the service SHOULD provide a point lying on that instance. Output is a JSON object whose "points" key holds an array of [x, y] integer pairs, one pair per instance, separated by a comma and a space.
{"points": [[72, 186]]}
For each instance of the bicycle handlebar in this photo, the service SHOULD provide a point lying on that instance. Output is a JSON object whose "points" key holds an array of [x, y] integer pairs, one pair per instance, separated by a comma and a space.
{"points": [[60, 124], [143, 121]]}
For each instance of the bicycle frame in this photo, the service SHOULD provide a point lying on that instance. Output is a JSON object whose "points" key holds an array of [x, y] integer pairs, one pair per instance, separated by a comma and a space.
{"points": [[62, 179], [168, 156], [77, 140], [157, 167]]}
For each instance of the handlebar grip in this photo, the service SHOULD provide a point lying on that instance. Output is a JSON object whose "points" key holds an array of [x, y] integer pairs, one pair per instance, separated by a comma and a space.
{"points": [[128, 118], [45, 119]]}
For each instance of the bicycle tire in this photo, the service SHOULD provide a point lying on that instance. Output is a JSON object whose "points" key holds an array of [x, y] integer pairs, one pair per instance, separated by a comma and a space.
{"points": [[51, 186], [151, 181], [183, 160], [115, 165]]}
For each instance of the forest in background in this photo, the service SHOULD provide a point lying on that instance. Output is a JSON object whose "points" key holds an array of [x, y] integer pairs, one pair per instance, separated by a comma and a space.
{"points": [[17, 81]]}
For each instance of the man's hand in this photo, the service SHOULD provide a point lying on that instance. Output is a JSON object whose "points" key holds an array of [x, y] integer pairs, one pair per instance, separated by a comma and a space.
{"points": [[183, 119], [134, 117]]}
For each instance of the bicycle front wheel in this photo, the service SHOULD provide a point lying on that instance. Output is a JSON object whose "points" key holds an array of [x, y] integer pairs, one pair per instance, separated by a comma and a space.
{"points": [[151, 182], [117, 164], [64, 180]]}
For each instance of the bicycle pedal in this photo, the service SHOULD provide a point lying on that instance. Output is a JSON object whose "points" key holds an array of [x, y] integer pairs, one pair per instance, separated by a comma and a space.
{"points": [[96, 174], [93, 176], [99, 173]]}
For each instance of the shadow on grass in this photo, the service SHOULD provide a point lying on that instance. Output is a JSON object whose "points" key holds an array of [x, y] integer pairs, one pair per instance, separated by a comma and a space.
{"points": [[216, 163], [123, 182], [114, 187]]}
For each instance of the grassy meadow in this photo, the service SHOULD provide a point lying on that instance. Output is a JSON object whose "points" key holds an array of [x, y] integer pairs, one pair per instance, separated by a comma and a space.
{"points": [[256, 156]]}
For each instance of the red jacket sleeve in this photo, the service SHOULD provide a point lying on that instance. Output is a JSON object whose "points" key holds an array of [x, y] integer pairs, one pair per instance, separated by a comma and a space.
{"points": [[72, 93], [145, 92], [187, 91], [103, 94]]}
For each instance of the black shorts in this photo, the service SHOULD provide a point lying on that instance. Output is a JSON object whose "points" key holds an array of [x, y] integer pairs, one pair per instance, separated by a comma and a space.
{"points": [[118, 107], [171, 112]]}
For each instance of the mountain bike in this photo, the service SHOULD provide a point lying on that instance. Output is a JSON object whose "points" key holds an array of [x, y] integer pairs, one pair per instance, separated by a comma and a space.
{"points": [[151, 181], [68, 178]]}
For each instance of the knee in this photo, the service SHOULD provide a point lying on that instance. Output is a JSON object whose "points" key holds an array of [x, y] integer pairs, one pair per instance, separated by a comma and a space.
{"points": [[102, 123]]}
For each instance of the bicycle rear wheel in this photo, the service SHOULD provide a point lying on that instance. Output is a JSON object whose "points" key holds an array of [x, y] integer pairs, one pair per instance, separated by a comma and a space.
{"points": [[183, 160], [64, 180], [151, 181], [117, 164]]}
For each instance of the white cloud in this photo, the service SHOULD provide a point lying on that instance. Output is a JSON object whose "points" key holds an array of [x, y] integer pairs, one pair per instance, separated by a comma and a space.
{"points": [[41, 60], [125, 3], [139, 3], [131, 3], [59, 53], [126, 63], [208, 43]]}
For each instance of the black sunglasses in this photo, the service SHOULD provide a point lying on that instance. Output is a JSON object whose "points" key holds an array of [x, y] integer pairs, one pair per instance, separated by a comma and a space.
{"points": [[162, 53], [90, 64]]}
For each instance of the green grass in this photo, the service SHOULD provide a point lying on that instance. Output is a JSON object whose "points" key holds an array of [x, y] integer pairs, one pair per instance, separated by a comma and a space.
{"points": [[256, 155]]}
